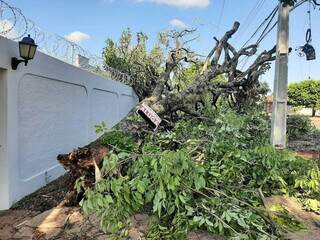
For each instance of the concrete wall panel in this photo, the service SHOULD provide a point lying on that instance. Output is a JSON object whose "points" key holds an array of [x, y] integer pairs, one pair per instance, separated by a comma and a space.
{"points": [[47, 108]]}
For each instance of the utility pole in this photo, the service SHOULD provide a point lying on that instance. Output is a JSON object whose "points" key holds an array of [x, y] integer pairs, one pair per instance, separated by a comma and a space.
{"points": [[280, 92]]}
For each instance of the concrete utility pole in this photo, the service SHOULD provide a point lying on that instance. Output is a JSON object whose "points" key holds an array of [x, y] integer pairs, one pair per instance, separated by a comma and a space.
{"points": [[280, 92]]}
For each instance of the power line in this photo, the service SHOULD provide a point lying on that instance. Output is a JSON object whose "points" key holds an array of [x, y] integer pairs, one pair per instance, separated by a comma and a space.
{"points": [[269, 18], [276, 23], [266, 31], [221, 15], [250, 17]]}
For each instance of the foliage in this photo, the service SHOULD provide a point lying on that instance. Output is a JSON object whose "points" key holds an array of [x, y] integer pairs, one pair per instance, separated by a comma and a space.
{"points": [[309, 186], [101, 128], [185, 77], [118, 140], [306, 94], [298, 125], [132, 57], [312, 205], [287, 223], [210, 175], [182, 80]]}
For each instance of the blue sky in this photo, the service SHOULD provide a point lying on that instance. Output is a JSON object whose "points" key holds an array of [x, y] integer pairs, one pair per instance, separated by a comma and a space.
{"points": [[99, 19]]}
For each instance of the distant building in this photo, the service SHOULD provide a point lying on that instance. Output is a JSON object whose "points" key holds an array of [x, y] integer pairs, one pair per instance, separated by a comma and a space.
{"points": [[268, 104], [291, 110]]}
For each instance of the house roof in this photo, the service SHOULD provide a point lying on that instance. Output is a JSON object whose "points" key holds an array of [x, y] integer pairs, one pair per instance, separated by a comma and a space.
{"points": [[269, 99]]}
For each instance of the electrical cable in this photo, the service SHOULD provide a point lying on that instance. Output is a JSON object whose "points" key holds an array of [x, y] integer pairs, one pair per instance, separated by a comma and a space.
{"points": [[263, 34], [250, 17], [309, 35], [270, 17], [221, 15]]}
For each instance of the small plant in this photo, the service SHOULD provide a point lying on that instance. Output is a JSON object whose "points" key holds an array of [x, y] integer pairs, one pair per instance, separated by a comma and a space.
{"points": [[118, 140], [101, 128]]}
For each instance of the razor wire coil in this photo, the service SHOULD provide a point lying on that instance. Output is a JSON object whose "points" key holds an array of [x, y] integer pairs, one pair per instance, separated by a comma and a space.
{"points": [[14, 25]]}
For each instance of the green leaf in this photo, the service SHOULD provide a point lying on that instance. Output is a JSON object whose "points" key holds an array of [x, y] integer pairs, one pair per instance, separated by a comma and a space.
{"points": [[190, 210], [141, 186], [200, 182], [227, 217], [182, 199], [100, 202], [108, 199], [123, 155], [209, 223], [242, 223], [196, 219]]}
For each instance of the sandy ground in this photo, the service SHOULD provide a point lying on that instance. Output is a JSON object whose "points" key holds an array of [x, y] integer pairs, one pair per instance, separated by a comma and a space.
{"points": [[65, 223], [316, 122], [68, 223]]}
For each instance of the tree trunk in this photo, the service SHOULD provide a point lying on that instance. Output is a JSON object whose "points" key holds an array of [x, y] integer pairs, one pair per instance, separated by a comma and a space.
{"points": [[313, 112]]}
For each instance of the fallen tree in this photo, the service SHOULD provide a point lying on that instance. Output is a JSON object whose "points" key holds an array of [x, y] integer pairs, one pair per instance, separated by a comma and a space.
{"points": [[240, 88], [209, 165]]}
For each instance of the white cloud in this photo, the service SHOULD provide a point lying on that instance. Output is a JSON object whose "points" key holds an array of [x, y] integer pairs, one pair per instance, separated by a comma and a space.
{"points": [[77, 37], [7, 29], [177, 23], [181, 3]]}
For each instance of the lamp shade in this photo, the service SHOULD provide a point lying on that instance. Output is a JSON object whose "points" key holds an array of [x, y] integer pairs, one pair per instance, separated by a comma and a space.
{"points": [[27, 48], [309, 51]]}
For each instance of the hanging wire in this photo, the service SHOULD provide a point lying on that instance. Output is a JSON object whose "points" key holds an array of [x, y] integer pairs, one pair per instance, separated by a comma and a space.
{"points": [[250, 18], [309, 35], [14, 25], [221, 15], [267, 31], [269, 18]]}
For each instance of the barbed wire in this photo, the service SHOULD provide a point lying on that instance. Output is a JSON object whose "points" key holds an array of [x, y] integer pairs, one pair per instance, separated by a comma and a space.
{"points": [[14, 25]]}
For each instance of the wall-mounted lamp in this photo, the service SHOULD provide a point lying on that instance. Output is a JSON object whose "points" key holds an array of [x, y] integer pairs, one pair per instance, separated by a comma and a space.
{"points": [[27, 50]]}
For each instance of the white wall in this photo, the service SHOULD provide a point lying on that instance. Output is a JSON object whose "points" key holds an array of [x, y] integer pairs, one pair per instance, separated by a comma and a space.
{"points": [[47, 108]]}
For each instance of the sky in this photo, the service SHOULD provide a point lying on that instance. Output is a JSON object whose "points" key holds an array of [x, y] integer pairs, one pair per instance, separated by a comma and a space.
{"points": [[91, 22]]}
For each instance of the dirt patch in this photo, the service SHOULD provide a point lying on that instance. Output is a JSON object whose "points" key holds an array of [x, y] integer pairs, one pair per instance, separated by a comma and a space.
{"points": [[65, 223], [309, 154], [55, 224], [10, 220], [46, 197]]}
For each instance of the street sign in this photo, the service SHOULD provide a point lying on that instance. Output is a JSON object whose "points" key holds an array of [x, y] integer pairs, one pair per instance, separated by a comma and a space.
{"points": [[150, 116]]}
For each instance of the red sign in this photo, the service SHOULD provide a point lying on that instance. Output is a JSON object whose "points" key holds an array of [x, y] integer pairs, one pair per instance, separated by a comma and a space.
{"points": [[149, 115]]}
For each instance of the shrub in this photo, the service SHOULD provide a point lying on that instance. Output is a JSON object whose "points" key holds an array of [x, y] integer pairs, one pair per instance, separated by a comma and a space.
{"points": [[298, 125]]}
